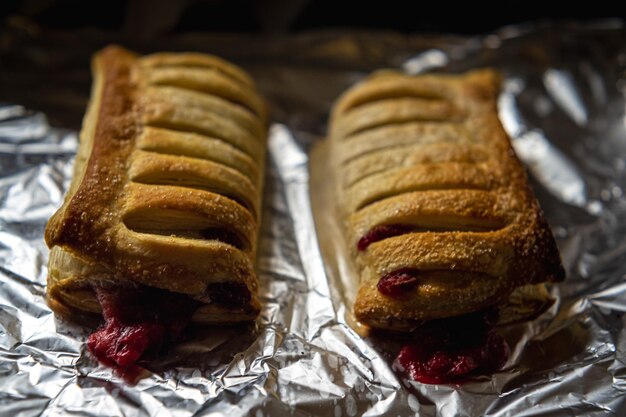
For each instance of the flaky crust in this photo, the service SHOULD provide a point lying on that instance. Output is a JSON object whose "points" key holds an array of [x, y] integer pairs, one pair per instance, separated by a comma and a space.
{"points": [[167, 184], [429, 152]]}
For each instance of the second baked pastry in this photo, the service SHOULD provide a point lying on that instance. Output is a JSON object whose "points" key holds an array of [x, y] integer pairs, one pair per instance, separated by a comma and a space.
{"points": [[436, 208]]}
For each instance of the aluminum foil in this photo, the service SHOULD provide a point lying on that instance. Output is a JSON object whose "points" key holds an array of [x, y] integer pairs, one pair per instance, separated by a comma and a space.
{"points": [[563, 103]]}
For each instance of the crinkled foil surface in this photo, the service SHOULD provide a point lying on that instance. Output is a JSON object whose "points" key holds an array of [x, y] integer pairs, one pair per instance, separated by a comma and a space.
{"points": [[563, 103]]}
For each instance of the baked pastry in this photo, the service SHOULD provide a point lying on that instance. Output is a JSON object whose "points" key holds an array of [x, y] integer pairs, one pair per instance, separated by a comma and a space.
{"points": [[435, 206], [160, 223], [447, 237]]}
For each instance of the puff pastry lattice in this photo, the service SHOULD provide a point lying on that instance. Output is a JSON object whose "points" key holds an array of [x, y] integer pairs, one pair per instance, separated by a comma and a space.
{"points": [[166, 188], [429, 185]]}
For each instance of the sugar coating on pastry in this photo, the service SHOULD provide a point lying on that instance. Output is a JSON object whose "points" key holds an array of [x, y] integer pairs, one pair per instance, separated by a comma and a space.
{"points": [[435, 206]]}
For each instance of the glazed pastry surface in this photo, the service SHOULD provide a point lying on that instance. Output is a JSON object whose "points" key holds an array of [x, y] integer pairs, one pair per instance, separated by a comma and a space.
{"points": [[166, 188], [428, 186]]}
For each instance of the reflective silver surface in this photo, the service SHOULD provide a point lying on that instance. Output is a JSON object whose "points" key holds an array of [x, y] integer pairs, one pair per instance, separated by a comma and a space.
{"points": [[564, 105]]}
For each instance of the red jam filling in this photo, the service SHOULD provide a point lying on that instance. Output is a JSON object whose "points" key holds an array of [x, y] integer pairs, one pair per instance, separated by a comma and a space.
{"points": [[452, 350], [382, 232], [137, 321], [396, 284], [141, 321]]}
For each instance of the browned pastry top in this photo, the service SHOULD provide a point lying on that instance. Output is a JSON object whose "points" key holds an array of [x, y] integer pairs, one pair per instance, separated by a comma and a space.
{"points": [[427, 155], [166, 187]]}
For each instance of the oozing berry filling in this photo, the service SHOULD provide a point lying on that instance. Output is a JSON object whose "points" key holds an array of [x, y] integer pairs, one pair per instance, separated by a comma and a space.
{"points": [[451, 350], [396, 284], [137, 321], [382, 232], [144, 320]]}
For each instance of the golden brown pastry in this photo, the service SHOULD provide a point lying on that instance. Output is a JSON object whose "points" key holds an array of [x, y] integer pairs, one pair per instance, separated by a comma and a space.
{"points": [[165, 197], [436, 208]]}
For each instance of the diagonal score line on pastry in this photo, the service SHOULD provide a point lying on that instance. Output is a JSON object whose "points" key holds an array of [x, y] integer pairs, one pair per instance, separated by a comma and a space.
{"points": [[396, 110], [176, 97], [423, 177], [169, 115], [428, 185], [162, 169], [397, 135], [435, 210], [194, 60], [193, 145], [183, 212], [154, 206], [383, 85], [210, 81], [409, 155]]}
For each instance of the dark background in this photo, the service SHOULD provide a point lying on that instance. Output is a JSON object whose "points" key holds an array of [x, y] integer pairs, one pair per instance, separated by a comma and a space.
{"points": [[46, 45], [146, 18]]}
